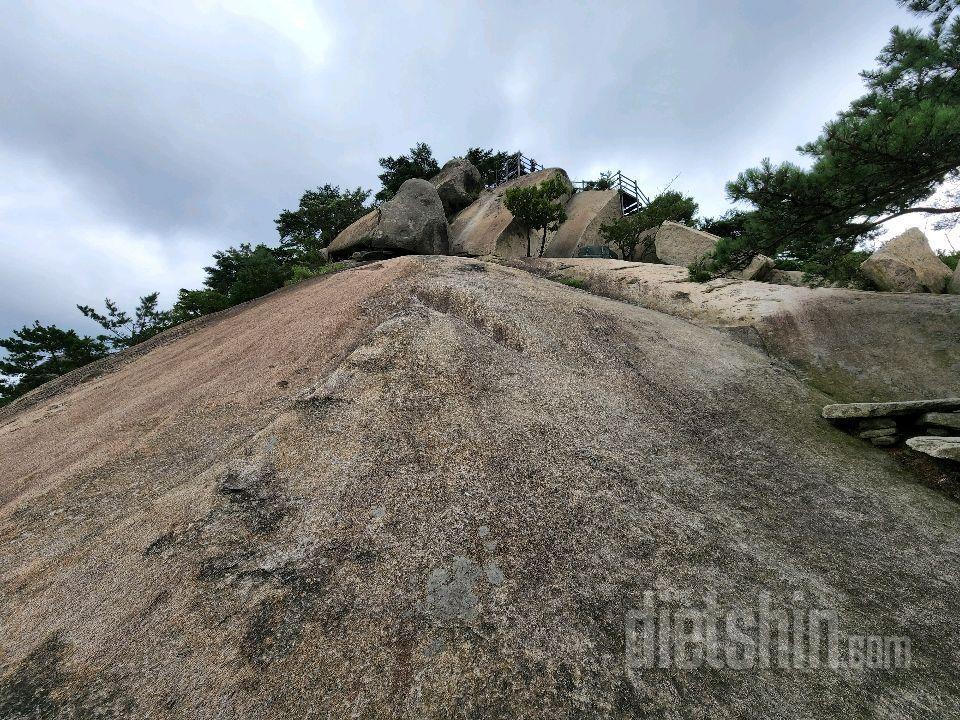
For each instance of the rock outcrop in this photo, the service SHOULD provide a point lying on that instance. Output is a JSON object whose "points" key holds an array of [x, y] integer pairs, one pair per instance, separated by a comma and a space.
{"points": [[851, 344], [907, 264], [434, 487], [847, 411], [412, 222], [678, 244], [458, 183], [945, 448], [487, 228], [586, 212], [759, 269], [954, 286]]}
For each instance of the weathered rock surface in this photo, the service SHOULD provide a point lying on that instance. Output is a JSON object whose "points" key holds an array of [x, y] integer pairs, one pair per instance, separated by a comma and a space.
{"points": [[586, 212], [435, 487], [942, 419], [458, 184], [853, 345], [845, 411], [785, 277], [412, 222], [946, 448], [954, 286], [907, 264], [678, 244], [759, 269], [487, 228]]}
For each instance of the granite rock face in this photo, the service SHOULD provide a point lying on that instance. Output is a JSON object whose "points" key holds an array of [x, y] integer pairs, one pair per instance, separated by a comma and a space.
{"points": [[487, 228], [436, 487]]}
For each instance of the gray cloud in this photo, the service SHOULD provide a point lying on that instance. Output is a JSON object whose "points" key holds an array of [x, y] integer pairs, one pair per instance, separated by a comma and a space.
{"points": [[141, 136]]}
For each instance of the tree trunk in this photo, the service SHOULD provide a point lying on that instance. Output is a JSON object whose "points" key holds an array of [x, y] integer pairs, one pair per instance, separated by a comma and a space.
{"points": [[528, 243], [543, 242]]}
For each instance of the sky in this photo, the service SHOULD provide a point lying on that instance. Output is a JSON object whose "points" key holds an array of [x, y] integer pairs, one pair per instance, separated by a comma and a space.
{"points": [[138, 137]]}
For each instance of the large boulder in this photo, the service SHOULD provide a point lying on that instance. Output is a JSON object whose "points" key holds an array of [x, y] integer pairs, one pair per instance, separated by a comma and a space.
{"points": [[586, 212], [412, 222], [678, 244], [459, 183], [954, 286], [487, 228], [907, 264]]}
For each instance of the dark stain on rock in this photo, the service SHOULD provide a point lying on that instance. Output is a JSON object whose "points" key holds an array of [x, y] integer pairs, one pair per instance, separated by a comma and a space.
{"points": [[41, 687]]}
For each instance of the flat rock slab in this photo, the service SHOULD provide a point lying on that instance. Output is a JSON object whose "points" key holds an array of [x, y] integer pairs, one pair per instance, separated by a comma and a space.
{"points": [[947, 448], [942, 419], [847, 411]]}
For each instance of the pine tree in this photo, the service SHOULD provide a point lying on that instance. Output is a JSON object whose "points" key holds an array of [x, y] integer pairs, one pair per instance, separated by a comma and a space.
{"points": [[38, 353]]}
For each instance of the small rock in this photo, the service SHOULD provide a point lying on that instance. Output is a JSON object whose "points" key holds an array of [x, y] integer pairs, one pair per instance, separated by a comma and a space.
{"points": [[942, 432], [846, 411], [786, 277], [947, 448], [758, 269], [883, 441], [943, 420]]}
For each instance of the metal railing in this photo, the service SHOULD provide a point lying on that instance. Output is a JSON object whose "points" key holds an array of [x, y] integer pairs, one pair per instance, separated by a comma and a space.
{"points": [[518, 164], [632, 198]]}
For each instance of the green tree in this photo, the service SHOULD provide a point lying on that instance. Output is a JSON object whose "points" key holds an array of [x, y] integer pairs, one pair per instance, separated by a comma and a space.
{"points": [[246, 272], [196, 303], [38, 353], [323, 213], [535, 207], [491, 164], [627, 233], [123, 331], [420, 163], [604, 182], [882, 158]]}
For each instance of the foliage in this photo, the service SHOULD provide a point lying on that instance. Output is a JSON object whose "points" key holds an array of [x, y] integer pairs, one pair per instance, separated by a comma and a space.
{"points": [[300, 272], [196, 303], [534, 207], [949, 259], [572, 282], [625, 233], [669, 205], [38, 353], [323, 213], [420, 163], [245, 273], [877, 160], [123, 331], [604, 182], [491, 164]]}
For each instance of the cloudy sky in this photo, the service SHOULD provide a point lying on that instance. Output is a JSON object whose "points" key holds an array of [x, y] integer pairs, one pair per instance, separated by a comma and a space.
{"points": [[138, 137]]}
